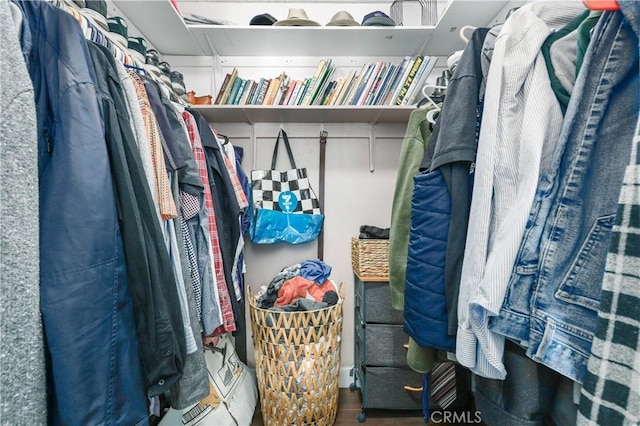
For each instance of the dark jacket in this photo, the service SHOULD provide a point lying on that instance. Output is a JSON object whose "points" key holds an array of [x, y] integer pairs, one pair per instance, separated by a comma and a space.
{"points": [[151, 279], [425, 307], [84, 296]]}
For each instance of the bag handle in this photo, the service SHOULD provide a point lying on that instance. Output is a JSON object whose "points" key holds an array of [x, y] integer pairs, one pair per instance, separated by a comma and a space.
{"points": [[287, 146]]}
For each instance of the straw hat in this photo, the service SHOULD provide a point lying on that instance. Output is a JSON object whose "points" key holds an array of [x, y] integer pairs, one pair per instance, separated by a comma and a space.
{"points": [[297, 18], [342, 19]]}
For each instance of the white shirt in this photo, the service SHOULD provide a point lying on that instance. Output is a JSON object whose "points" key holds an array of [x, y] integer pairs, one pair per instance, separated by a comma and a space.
{"points": [[521, 123]]}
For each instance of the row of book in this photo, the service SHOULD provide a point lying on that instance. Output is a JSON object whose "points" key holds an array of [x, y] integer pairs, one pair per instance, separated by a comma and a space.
{"points": [[376, 83]]}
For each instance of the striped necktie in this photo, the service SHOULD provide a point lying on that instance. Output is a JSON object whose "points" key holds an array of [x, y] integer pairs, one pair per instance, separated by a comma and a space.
{"points": [[443, 384]]}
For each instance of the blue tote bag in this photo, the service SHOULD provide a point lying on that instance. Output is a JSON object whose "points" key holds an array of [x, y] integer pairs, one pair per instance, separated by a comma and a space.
{"points": [[284, 207]]}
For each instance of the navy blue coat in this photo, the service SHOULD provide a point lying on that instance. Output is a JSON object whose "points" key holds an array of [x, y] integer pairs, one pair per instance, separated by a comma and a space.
{"points": [[425, 305], [84, 298]]}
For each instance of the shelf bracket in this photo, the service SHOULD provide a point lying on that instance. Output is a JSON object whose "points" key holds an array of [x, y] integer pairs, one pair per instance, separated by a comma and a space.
{"points": [[254, 146], [372, 147]]}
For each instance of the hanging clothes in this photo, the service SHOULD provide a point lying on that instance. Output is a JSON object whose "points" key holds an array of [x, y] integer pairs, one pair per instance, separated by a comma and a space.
{"points": [[510, 151], [22, 370], [83, 277], [556, 283]]}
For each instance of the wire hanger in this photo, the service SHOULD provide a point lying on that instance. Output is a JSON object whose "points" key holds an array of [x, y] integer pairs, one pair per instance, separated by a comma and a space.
{"points": [[465, 28]]}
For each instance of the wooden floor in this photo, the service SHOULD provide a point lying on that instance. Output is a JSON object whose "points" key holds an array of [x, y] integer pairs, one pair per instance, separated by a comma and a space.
{"points": [[349, 408]]}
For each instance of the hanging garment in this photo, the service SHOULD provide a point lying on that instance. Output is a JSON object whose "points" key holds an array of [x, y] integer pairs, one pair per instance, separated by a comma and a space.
{"points": [[413, 148], [217, 270], [520, 123], [22, 370], [225, 217], [555, 288], [159, 324], [425, 309], [83, 279], [454, 155], [610, 394]]}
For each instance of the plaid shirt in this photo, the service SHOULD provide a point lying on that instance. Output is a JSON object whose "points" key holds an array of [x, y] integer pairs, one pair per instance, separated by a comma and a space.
{"points": [[165, 198], [228, 323], [611, 390]]}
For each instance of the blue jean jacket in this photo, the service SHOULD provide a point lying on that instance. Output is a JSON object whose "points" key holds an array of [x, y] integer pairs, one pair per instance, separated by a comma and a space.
{"points": [[553, 297]]}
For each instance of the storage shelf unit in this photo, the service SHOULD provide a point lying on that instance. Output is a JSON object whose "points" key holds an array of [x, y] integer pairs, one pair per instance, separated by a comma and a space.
{"points": [[164, 28], [380, 356], [304, 114]]}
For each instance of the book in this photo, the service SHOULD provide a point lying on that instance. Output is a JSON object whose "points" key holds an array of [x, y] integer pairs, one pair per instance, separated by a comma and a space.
{"points": [[336, 91], [400, 82], [303, 91], [348, 84], [285, 82], [361, 84], [324, 97], [227, 91], [272, 91], [268, 97], [241, 90], [373, 84], [393, 84], [287, 96], [245, 92], [223, 88], [257, 92], [234, 90], [252, 89], [418, 82], [314, 81], [386, 83], [263, 92], [409, 80], [317, 97]]}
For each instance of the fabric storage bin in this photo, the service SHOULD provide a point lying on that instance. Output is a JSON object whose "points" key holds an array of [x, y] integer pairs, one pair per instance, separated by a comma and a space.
{"points": [[370, 258], [297, 363], [385, 345]]}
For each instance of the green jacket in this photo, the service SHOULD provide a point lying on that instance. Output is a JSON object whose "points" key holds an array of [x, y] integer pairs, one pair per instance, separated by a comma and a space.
{"points": [[413, 148]]}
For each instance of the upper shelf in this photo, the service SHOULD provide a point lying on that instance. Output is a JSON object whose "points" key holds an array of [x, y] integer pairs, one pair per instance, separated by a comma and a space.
{"points": [[161, 25], [304, 114], [310, 41], [164, 28]]}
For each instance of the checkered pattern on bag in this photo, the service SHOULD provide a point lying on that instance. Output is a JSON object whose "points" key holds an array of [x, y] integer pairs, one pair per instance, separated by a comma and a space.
{"points": [[611, 389], [267, 185]]}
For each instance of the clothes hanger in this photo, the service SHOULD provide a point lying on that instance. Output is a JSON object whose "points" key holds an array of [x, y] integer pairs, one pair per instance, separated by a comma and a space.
{"points": [[436, 108], [462, 34], [138, 69], [601, 4], [225, 139]]}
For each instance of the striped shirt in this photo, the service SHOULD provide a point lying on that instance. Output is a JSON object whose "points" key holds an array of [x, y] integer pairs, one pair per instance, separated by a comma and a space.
{"points": [[165, 198], [521, 122]]}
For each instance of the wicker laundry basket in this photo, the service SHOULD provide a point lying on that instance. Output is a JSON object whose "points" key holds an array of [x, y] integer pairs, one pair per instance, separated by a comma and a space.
{"points": [[297, 363]]}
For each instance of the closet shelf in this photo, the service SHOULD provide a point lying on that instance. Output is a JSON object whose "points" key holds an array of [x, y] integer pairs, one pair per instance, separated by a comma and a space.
{"points": [[164, 28], [311, 41], [161, 25], [304, 114]]}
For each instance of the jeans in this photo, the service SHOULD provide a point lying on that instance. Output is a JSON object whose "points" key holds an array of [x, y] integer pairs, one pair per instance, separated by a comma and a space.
{"points": [[553, 296]]}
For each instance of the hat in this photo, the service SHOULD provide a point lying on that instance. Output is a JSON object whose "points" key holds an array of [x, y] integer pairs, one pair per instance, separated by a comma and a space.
{"points": [[378, 18], [297, 18], [342, 19], [264, 19], [96, 11]]}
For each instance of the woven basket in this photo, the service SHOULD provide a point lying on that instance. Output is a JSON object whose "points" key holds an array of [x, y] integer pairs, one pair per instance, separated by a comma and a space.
{"points": [[297, 364], [370, 258]]}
